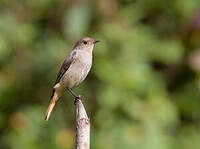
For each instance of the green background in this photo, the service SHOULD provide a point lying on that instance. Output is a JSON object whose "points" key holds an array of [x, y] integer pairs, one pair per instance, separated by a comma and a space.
{"points": [[143, 89]]}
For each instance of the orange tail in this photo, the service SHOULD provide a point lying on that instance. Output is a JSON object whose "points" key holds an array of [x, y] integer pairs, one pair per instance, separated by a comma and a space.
{"points": [[50, 108]]}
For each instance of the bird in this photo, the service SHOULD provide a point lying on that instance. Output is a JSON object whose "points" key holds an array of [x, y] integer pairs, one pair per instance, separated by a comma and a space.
{"points": [[73, 71]]}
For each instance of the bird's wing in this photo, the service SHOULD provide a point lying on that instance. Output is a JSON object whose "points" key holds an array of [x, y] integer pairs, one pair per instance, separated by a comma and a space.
{"points": [[66, 64]]}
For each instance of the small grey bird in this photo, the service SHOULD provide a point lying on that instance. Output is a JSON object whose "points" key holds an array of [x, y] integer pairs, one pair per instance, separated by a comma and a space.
{"points": [[73, 71]]}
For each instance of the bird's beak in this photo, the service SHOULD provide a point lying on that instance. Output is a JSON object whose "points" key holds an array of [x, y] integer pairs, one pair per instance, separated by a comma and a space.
{"points": [[96, 41]]}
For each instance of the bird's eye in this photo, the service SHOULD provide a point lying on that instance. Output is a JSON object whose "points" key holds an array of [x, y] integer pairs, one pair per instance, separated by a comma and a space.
{"points": [[85, 42]]}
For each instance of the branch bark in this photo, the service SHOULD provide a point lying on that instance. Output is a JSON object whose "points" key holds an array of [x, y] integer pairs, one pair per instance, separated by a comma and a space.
{"points": [[82, 126]]}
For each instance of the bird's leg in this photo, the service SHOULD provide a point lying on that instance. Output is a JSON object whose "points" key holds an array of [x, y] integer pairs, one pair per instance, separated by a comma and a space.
{"points": [[76, 96]]}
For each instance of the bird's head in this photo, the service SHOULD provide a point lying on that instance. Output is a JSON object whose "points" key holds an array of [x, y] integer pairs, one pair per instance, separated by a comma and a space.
{"points": [[86, 43]]}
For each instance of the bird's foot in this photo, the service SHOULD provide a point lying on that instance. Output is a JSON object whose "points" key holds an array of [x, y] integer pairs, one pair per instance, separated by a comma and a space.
{"points": [[79, 97]]}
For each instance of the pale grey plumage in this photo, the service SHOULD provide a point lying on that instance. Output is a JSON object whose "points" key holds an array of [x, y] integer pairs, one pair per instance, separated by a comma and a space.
{"points": [[78, 69], [74, 70]]}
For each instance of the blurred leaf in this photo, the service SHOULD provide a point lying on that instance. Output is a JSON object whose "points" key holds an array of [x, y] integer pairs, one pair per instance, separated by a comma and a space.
{"points": [[77, 21]]}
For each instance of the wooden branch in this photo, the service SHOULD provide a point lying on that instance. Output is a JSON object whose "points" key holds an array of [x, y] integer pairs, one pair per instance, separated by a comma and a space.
{"points": [[82, 126]]}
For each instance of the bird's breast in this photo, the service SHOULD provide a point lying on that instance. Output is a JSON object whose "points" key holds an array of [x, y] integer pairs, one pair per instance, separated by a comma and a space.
{"points": [[78, 70]]}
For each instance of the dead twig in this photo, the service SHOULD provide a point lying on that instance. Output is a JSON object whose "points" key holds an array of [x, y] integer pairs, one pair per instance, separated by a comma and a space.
{"points": [[82, 126]]}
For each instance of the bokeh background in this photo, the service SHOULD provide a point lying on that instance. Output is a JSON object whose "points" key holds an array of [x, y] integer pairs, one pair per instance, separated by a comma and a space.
{"points": [[143, 91]]}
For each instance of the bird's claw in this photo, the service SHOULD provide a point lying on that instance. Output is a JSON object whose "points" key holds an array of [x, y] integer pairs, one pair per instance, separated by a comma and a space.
{"points": [[79, 97]]}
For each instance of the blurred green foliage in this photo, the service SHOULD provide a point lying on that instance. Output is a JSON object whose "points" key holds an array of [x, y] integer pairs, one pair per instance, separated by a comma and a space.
{"points": [[142, 91]]}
